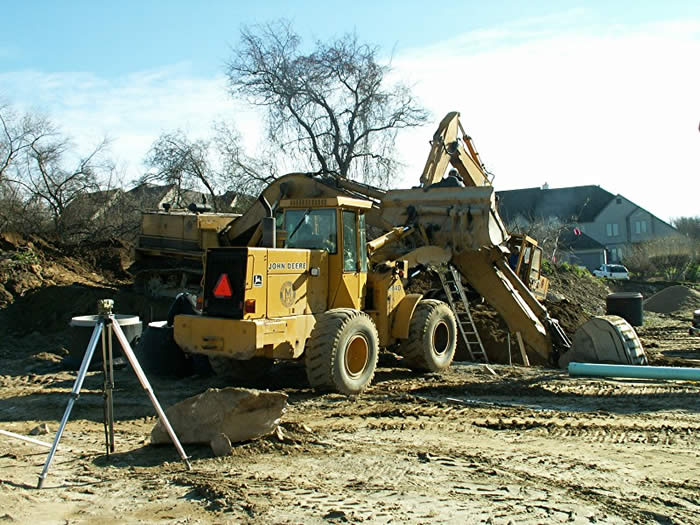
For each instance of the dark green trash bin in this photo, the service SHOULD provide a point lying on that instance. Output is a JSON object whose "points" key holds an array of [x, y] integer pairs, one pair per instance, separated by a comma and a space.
{"points": [[628, 305]]}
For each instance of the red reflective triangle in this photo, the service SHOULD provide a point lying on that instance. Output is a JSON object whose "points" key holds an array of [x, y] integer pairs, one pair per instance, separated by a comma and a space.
{"points": [[222, 290]]}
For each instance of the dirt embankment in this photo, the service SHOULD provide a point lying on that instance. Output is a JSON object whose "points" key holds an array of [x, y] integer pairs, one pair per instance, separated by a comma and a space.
{"points": [[43, 285], [29, 262]]}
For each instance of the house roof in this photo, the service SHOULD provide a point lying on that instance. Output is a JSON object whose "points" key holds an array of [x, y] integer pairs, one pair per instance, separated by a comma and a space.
{"points": [[576, 203], [150, 195], [87, 205]]}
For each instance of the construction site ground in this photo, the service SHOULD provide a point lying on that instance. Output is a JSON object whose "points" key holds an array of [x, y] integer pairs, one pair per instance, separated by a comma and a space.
{"points": [[526, 445]]}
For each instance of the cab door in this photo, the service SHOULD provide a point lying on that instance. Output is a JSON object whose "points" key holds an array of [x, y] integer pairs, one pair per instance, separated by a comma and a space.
{"points": [[353, 261]]}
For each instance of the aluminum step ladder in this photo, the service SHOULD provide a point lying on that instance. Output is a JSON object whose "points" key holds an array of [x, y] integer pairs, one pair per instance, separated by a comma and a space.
{"points": [[452, 284]]}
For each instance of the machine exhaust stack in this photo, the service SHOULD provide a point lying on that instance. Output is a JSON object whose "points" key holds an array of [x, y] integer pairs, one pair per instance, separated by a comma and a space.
{"points": [[269, 228]]}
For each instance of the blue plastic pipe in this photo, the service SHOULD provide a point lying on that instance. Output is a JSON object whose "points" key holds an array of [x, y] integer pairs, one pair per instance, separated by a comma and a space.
{"points": [[635, 371]]}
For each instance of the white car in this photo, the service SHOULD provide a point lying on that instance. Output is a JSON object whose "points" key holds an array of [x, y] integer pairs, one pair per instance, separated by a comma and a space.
{"points": [[612, 271]]}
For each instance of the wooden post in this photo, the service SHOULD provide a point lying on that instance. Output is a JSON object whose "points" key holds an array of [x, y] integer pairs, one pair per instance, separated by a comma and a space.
{"points": [[519, 337]]}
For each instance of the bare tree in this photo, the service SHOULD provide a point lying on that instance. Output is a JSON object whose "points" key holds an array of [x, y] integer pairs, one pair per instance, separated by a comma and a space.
{"points": [[18, 133], [41, 176], [688, 226], [46, 178], [238, 171], [332, 107], [548, 232], [179, 160]]}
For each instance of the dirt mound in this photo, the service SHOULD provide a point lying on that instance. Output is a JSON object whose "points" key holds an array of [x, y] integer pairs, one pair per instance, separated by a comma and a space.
{"points": [[110, 257], [578, 298], [580, 289], [570, 315], [28, 262], [672, 300], [49, 309]]}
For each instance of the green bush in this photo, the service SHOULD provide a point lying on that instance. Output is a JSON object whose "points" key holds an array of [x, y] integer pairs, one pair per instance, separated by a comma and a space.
{"points": [[547, 267], [572, 268], [23, 257]]}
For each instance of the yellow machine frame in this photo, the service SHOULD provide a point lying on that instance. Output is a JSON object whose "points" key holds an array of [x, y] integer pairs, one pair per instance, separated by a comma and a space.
{"points": [[299, 284]]}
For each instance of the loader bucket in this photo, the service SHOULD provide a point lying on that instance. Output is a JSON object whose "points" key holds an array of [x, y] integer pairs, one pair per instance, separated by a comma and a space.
{"points": [[463, 218]]}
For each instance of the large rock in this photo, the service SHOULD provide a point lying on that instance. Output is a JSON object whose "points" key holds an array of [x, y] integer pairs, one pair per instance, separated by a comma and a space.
{"points": [[239, 413], [221, 445]]}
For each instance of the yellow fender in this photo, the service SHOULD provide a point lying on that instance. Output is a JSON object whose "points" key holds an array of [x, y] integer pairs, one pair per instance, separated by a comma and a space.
{"points": [[403, 314]]}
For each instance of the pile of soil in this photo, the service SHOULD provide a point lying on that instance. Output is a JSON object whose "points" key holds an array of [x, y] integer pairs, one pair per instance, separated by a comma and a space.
{"points": [[49, 309], [674, 299], [575, 299], [29, 262], [582, 291], [570, 315], [493, 332]]}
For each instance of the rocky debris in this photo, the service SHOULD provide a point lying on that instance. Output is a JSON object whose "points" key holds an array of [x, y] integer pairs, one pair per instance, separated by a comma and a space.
{"points": [[240, 414], [221, 445], [40, 430], [554, 297], [673, 299]]}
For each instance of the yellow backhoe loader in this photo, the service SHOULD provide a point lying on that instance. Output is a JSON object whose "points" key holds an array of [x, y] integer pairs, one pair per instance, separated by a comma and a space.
{"points": [[296, 276]]}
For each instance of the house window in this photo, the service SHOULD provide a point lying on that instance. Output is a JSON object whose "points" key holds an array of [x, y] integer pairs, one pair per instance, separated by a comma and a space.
{"points": [[644, 226], [615, 254], [612, 229], [640, 226]]}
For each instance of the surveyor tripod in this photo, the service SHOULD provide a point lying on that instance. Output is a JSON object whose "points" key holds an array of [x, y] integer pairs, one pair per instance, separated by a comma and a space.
{"points": [[105, 321]]}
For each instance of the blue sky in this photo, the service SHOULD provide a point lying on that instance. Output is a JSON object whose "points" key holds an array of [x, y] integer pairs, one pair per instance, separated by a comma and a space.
{"points": [[560, 92]]}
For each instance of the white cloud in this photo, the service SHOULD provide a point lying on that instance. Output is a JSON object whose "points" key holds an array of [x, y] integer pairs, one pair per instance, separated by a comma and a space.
{"points": [[132, 110], [614, 108]]}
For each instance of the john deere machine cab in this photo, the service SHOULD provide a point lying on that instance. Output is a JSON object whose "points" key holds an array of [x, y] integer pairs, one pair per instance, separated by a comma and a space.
{"points": [[526, 261], [314, 297]]}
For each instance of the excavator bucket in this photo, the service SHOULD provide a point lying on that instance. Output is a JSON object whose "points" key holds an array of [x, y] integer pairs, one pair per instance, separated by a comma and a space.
{"points": [[605, 339]]}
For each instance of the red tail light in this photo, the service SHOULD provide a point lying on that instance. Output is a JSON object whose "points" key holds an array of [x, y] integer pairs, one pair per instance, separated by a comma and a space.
{"points": [[249, 307], [222, 290]]}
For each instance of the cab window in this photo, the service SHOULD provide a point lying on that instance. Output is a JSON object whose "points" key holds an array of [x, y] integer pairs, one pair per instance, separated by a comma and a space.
{"points": [[349, 241], [311, 229]]}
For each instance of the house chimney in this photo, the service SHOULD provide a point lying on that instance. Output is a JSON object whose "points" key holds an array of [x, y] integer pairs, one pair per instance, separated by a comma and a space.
{"points": [[545, 186]]}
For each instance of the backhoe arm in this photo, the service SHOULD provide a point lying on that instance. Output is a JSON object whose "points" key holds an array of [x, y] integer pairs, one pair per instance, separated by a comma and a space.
{"points": [[447, 148]]}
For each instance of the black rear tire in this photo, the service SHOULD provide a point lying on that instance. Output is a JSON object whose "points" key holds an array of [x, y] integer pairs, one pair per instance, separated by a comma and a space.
{"points": [[432, 337], [342, 352]]}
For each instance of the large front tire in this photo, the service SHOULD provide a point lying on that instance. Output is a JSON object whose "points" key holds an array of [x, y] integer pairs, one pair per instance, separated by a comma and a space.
{"points": [[432, 337], [342, 352]]}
